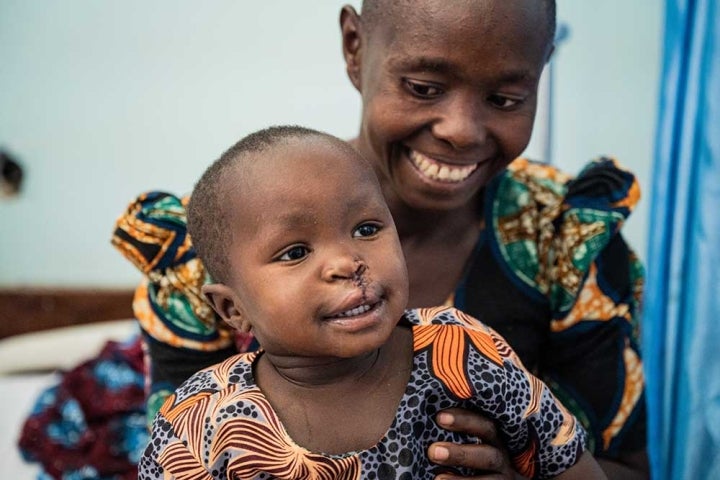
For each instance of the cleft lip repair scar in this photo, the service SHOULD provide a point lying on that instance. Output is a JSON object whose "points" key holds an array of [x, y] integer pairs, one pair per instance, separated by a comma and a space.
{"points": [[359, 279]]}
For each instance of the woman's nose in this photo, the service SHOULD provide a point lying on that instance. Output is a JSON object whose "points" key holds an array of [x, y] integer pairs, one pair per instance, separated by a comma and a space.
{"points": [[461, 123]]}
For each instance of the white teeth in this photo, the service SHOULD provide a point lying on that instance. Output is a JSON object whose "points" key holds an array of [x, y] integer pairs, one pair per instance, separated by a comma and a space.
{"points": [[443, 172], [354, 311]]}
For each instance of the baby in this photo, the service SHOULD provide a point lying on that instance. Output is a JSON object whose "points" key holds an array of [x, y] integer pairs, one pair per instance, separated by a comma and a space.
{"points": [[292, 226]]}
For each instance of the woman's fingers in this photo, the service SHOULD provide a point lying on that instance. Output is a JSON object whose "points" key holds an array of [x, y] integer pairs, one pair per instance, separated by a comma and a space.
{"points": [[473, 456], [491, 476], [470, 423], [489, 456]]}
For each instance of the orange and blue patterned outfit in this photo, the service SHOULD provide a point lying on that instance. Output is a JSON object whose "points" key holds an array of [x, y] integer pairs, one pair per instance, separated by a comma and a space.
{"points": [[219, 425]]}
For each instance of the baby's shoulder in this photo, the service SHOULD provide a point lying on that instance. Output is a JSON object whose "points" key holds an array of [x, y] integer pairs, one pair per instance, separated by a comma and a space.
{"points": [[442, 315], [235, 373]]}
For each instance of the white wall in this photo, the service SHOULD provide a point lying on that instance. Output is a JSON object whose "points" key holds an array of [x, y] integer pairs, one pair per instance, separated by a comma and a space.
{"points": [[607, 78], [102, 100]]}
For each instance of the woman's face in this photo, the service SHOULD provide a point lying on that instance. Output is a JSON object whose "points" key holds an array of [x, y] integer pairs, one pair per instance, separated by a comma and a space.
{"points": [[449, 95]]}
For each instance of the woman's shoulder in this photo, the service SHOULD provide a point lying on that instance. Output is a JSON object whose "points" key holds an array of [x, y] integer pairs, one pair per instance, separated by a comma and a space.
{"points": [[152, 232], [546, 226], [602, 184]]}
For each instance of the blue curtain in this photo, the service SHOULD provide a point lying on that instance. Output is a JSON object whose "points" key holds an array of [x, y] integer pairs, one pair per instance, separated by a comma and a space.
{"points": [[681, 325]]}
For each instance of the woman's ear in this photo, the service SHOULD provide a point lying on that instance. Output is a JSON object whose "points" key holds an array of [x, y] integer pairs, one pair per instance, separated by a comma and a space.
{"points": [[226, 304], [550, 54], [351, 41]]}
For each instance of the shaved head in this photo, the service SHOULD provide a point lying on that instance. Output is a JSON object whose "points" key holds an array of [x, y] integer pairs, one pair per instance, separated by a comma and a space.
{"points": [[375, 11], [209, 211]]}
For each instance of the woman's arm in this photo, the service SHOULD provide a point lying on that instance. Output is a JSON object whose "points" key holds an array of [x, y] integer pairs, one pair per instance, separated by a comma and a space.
{"points": [[629, 466], [585, 469], [592, 359]]}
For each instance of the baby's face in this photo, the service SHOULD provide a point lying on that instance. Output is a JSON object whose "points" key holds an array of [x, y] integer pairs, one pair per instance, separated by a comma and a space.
{"points": [[449, 95], [316, 262]]}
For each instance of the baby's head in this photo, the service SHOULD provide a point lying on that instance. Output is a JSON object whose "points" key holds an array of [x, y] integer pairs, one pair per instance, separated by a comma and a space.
{"points": [[448, 91], [293, 228]]}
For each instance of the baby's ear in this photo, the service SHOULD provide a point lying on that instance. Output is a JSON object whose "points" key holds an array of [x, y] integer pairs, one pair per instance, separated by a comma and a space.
{"points": [[350, 30], [226, 304]]}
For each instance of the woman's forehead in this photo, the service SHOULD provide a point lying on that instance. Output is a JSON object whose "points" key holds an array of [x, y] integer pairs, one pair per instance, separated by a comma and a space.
{"points": [[453, 40], [425, 22]]}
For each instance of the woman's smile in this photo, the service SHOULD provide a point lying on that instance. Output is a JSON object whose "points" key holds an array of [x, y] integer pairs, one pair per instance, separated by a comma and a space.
{"points": [[440, 171]]}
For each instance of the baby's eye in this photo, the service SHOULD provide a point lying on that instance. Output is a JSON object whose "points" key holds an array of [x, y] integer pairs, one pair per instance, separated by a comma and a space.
{"points": [[366, 230], [423, 90], [504, 102], [294, 253]]}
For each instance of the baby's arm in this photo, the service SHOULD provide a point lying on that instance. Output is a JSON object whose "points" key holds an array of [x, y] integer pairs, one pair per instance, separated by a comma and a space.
{"points": [[150, 469], [543, 438], [167, 457]]}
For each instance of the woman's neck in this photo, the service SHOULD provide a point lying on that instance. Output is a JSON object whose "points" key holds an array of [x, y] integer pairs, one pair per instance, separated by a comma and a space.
{"points": [[431, 225]]}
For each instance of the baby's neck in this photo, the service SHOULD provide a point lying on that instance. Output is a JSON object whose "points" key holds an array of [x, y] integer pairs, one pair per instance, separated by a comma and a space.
{"points": [[361, 394], [310, 373], [315, 373]]}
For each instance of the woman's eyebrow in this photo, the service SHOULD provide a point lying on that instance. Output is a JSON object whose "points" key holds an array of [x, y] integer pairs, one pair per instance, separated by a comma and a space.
{"points": [[422, 63], [443, 66], [516, 76]]}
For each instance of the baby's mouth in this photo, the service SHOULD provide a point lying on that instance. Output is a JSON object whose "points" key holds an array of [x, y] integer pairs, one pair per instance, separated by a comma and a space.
{"points": [[359, 310], [441, 171]]}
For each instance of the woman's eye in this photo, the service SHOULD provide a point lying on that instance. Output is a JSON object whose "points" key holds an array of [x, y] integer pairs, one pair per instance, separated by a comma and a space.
{"points": [[423, 90], [504, 102], [294, 253], [366, 230]]}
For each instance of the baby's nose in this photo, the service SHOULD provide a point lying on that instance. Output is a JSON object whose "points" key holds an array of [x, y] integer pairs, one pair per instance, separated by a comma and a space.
{"points": [[344, 267]]}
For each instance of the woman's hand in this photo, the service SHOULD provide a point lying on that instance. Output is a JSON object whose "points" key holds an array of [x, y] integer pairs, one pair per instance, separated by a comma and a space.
{"points": [[489, 457]]}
